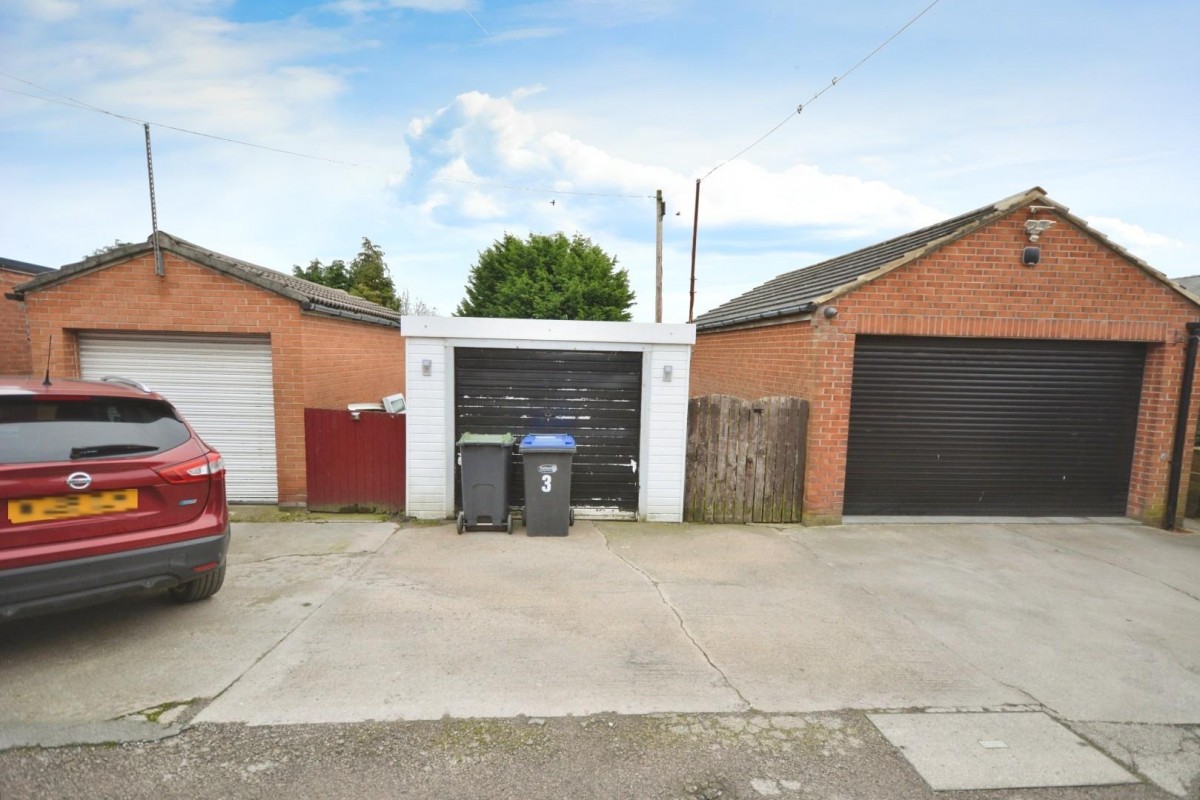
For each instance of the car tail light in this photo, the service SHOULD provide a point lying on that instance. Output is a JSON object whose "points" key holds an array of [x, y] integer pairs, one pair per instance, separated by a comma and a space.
{"points": [[195, 470]]}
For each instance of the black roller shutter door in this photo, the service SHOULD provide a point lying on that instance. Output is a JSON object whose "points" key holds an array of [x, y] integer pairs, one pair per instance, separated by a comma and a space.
{"points": [[992, 426], [596, 396]]}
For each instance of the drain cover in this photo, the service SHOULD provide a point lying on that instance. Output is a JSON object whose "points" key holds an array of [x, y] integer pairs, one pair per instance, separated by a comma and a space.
{"points": [[997, 751]]}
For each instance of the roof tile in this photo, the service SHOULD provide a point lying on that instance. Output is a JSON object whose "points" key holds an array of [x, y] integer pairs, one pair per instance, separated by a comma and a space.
{"points": [[313, 296], [799, 291]]}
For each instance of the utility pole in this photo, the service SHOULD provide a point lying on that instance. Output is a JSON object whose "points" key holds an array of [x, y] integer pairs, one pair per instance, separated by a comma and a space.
{"points": [[695, 229], [158, 259], [659, 210]]}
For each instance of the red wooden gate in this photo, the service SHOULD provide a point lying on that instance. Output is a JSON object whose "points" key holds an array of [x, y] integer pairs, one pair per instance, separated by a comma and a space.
{"points": [[354, 464]]}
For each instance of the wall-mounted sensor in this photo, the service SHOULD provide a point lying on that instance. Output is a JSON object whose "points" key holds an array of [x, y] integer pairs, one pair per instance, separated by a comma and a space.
{"points": [[1031, 256], [830, 312], [426, 366], [667, 371]]}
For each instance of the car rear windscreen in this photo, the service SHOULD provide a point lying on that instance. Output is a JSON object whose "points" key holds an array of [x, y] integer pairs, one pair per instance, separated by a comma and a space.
{"points": [[34, 429]]}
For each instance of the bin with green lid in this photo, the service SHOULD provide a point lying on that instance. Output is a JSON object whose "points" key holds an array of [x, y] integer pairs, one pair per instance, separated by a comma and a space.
{"points": [[547, 462], [483, 458]]}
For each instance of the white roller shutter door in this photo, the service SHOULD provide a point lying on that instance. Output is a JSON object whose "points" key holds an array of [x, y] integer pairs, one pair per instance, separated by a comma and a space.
{"points": [[221, 384]]}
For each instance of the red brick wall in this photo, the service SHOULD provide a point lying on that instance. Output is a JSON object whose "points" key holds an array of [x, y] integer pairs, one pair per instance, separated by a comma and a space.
{"points": [[754, 362], [976, 286], [350, 362], [14, 331], [194, 299]]}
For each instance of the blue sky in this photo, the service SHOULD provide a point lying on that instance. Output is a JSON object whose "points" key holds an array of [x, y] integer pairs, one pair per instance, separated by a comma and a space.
{"points": [[460, 114]]}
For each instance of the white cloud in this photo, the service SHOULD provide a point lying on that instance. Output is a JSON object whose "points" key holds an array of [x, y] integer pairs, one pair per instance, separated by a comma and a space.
{"points": [[431, 5], [1132, 237], [525, 34], [51, 10], [357, 8], [755, 223], [174, 63], [179, 64], [523, 92], [503, 144], [479, 206], [608, 13], [743, 192]]}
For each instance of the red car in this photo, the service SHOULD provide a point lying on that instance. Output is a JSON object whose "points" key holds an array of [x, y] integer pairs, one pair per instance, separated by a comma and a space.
{"points": [[105, 491]]}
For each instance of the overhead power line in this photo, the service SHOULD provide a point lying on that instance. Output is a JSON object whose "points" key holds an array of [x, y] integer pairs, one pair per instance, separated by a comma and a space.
{"points": [[71, 102], [834, 82], [799, 109], [467, 11]]}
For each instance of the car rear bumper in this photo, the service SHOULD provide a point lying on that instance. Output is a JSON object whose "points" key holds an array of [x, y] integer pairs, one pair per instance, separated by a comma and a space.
{"points": [[45, 588]]}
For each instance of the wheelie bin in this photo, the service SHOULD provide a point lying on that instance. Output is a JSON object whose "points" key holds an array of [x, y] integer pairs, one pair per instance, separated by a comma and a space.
{"points": [[484, 460], [547, 463]]}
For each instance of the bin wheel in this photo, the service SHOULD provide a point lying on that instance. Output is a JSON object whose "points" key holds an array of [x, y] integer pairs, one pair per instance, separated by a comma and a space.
{"points": [[572, 516], [510, 524], [461, 524]]}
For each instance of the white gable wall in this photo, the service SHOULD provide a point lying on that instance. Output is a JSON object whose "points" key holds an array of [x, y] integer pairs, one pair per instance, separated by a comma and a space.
{"points": [[430, 399]]}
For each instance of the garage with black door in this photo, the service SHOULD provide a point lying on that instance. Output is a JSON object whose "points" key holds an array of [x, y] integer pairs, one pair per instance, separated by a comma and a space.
{"points": [[619, 388], [959, 426], [594, 395]]}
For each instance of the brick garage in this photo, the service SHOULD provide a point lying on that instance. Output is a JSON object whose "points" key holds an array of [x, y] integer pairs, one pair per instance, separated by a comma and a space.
{"points": [[321, 348], [961, 282], [15, 356]]}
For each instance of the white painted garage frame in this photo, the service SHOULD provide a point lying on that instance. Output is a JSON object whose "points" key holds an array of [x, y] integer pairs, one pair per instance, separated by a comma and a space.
{"points": [[430, 343]]}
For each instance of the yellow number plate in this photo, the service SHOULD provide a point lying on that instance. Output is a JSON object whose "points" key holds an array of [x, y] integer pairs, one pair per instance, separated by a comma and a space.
{"points": [[40, 509]]}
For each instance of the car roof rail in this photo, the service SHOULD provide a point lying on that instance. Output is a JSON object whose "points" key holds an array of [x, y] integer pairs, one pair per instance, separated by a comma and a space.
{"points": [[130, 382]]}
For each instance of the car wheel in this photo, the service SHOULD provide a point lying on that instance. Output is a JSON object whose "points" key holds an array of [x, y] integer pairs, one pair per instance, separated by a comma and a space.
{"points": [[206, 585]]}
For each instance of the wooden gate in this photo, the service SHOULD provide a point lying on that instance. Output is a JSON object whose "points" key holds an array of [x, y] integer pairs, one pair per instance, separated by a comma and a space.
{"points": [[354, 464], [745, 459]]}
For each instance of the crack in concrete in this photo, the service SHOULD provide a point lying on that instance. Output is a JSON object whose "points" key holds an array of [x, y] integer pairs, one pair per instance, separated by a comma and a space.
{"points": [[288, 633], [50, 735], [1128, 762], [125, 730], [355, 554], [1094, 557], [795, 537], [678, 617], [1127, 754]]}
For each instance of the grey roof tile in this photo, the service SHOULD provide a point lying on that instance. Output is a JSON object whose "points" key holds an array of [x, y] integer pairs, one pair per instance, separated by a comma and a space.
{"points": [[1191, 283], [12, 265], [313, 296], [800, 291]]}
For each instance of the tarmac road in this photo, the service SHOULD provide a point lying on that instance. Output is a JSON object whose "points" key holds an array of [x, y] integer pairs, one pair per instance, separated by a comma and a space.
{"points": [[686, 756]]}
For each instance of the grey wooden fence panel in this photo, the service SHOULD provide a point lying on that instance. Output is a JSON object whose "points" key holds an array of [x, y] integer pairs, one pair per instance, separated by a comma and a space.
{"points": [[745, 459]]}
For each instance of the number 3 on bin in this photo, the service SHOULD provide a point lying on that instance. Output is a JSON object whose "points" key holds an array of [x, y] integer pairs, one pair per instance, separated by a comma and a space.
{"points": [[546, 483]]}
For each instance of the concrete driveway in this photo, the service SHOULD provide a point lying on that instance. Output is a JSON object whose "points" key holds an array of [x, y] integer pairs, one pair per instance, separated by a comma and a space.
{"points": [[1095, 624]]}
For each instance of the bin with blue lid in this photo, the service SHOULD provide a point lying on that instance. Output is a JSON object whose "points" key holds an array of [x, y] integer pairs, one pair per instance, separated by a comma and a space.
{"points": [[547, 460], [484, 458]]}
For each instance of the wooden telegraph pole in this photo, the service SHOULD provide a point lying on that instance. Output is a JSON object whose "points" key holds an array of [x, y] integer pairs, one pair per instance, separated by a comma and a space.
{"points": [[695, 228], [659, 210]]}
